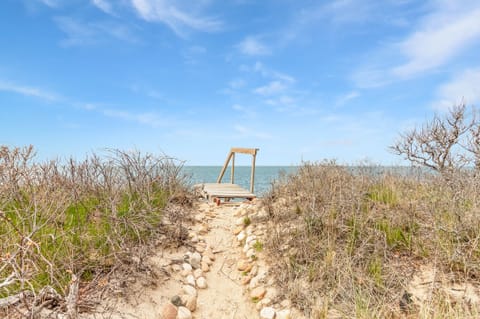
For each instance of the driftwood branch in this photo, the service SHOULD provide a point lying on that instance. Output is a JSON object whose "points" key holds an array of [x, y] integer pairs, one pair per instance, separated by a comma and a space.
{"points": [[14, 299], [72, 299]]}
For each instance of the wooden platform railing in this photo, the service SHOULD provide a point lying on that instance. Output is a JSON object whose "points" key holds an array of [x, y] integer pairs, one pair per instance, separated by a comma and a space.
{"points": [[231, 157]]}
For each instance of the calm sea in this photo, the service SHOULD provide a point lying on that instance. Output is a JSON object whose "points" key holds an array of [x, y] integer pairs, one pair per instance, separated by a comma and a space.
{"points": [[264, 175]]}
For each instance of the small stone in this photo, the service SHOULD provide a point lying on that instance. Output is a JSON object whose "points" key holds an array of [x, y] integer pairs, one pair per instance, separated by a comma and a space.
{"points": [[266, 301], [198, 273], [237, 230], [200, 248], [258, 293], [184, 313], [185, 273], [209, 254], [189, 290], [190, 302], [177, 301], [199, 217], [195, 260], [249, 267], [191, 280], [169, 311], [283, 314], [204, 229], [242, 265], [202, 283], [239, 221], [205, 267], [245, 280], [267, 313], [176, 268], [241, 236], [251, 239], [254, 270], [257, 280], [186, 266], [250, 253], [207, 260]]}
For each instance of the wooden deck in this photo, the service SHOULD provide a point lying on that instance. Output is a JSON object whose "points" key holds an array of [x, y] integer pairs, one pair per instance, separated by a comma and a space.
{"points": [[216, 191], [227, 191]]}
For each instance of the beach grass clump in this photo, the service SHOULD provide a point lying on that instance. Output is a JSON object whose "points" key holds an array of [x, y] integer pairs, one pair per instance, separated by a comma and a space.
{"points": [[350, 241], [62, 221]]}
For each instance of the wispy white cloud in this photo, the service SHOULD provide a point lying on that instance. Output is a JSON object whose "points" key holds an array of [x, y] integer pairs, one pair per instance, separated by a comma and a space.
{"points": [[253, 46], [308, 21], [28, 91], [88, 33], [103, 5], [463, 87], [149, 118], [442, 36], [346, 11], [178, 19], [437, 38], [272, 88], [269, 73], [371, 76], [342, 100]]}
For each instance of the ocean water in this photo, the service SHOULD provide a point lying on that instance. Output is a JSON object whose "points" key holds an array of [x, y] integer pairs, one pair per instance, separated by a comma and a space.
{"points": [[264, 175]]}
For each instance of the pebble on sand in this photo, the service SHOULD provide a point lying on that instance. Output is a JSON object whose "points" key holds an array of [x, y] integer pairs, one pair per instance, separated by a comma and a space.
{"points": [[283, 314], [189, 301], [184, 313], [258, 293], [202, 283], [267, 313], [242, 265], [169, 311], [189, 290]]}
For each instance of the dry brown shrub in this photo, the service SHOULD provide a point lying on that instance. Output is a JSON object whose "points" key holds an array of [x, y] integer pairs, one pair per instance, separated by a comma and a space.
{"points": [[64, 224], [350, 239]]}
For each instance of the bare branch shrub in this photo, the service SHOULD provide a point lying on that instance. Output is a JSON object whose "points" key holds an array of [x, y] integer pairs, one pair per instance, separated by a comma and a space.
{"points": [[64, 223], [445, 143]]}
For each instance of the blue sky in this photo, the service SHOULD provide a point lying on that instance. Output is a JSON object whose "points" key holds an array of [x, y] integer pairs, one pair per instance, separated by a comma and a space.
{"points": [[301, 80]]}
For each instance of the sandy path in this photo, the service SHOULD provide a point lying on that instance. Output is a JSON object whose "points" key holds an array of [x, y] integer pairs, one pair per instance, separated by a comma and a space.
{"points": [[225, 297]]}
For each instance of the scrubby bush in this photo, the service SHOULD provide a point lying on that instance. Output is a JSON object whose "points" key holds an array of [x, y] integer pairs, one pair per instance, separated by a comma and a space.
{"points": [[67, 221], [350, 240]]}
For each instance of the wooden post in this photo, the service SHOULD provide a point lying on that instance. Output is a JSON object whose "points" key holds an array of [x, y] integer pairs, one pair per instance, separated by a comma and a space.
{"points": [[233, 169], [252, 177], [231, 156], [219, 180]]}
